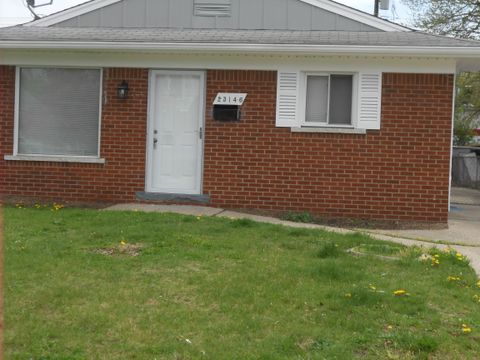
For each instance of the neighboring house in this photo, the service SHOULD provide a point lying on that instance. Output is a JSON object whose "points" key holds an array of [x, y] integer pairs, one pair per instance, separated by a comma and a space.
{"points": [[476, 139], [475, 125], [277, 105]]}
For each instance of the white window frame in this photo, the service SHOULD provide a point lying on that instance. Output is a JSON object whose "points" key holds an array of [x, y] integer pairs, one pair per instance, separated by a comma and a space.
{"points": [[54, 158], [303, 100]]}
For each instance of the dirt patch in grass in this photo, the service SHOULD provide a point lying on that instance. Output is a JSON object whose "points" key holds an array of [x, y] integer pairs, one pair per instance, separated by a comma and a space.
{"points": [[121, 249], [305, 344], [383, 251]]}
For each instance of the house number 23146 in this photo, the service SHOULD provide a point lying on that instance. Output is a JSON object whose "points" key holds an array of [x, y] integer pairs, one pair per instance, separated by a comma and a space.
{"points": [[230, 99]]}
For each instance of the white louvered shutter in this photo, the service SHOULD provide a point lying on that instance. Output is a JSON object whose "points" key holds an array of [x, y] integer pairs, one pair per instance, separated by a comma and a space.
{"points": [[370, 101], [287, 96]]}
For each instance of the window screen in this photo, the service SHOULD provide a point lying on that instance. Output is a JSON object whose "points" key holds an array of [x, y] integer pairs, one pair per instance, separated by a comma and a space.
{"points": [[341, 99], [329, 99], [59, 111], [317, 99]]}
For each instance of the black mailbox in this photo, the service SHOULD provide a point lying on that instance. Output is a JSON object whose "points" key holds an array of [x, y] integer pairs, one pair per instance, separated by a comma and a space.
{"points": [[226, 112], [227, 106]]}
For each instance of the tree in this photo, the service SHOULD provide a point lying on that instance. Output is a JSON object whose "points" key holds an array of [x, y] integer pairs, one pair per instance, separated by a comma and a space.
{"points": [[459, 18], [467, 108], [463, 131]]}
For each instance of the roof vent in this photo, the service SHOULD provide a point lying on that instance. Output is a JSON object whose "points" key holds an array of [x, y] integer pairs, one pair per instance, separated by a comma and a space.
{"points": [[212, 7]]}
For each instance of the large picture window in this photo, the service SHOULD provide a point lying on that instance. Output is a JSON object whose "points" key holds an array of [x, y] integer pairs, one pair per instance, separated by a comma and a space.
{"points": [[58, 111], [329, 99]]}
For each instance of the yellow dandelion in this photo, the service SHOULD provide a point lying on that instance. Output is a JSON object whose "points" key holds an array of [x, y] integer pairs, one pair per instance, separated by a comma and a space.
{"points": [[57, 207], [400, 292], [466, 329], [389, 327], [453, 278], [123, 242], [372, 287]]}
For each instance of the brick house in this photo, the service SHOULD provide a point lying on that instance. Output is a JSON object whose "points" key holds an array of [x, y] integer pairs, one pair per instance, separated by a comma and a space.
{"points": [[274, 105]]}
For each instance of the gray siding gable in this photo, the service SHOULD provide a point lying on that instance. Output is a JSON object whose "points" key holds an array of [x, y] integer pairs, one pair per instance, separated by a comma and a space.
{"points": [[245, 14]]}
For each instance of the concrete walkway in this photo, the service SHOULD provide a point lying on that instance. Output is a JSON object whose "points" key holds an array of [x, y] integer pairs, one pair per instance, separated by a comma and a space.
{"points": [[463, 224], [463, 228], [177, 209], [405, 237]]}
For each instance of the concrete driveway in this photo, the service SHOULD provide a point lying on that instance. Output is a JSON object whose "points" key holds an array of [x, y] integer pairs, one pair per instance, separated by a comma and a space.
{"points": [[462, 196], [463, 225]]}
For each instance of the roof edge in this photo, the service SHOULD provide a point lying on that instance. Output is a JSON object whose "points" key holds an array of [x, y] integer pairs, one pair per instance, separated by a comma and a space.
{"points": [[328, 5], [416, 51]]}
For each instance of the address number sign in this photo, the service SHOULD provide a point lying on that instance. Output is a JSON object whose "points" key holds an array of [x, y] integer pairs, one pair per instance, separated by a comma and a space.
{"points": [[230, 99]]}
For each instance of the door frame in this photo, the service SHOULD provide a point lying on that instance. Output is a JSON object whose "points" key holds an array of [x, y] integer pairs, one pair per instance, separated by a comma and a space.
{"points": [[150, 118]]}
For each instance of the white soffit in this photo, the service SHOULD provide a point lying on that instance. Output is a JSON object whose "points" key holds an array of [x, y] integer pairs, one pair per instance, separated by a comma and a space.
{"points": [[327, 5], [71, 12]]}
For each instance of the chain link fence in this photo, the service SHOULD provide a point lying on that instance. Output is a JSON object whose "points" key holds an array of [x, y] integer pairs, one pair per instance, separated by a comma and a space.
{"points": [[466, 167]]}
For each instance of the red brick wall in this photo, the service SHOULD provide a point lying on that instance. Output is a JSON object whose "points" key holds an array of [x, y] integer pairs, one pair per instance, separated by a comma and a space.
{"points": [[7, 104], [398, 173], [123, 136]]}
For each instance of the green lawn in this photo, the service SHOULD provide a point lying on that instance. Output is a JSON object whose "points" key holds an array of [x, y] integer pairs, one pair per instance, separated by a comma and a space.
{"points": [[87, 284]]}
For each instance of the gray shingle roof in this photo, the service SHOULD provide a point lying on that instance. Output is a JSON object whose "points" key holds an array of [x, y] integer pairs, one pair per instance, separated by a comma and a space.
{"points": [[156, 35]]}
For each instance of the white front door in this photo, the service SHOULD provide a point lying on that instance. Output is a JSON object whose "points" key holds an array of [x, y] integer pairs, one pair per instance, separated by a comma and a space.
{"points": [[175, 132]]}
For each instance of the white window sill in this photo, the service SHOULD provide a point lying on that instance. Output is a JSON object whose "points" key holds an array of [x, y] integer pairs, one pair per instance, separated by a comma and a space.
{"points": [[329, 130], [68, 159]]}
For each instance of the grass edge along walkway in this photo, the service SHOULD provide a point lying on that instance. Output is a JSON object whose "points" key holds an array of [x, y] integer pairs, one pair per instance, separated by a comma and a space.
{"points": [[471, 252]]}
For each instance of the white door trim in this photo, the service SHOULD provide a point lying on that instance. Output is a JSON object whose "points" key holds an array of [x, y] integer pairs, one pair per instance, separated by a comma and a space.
{"points": [[150, 118]]}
